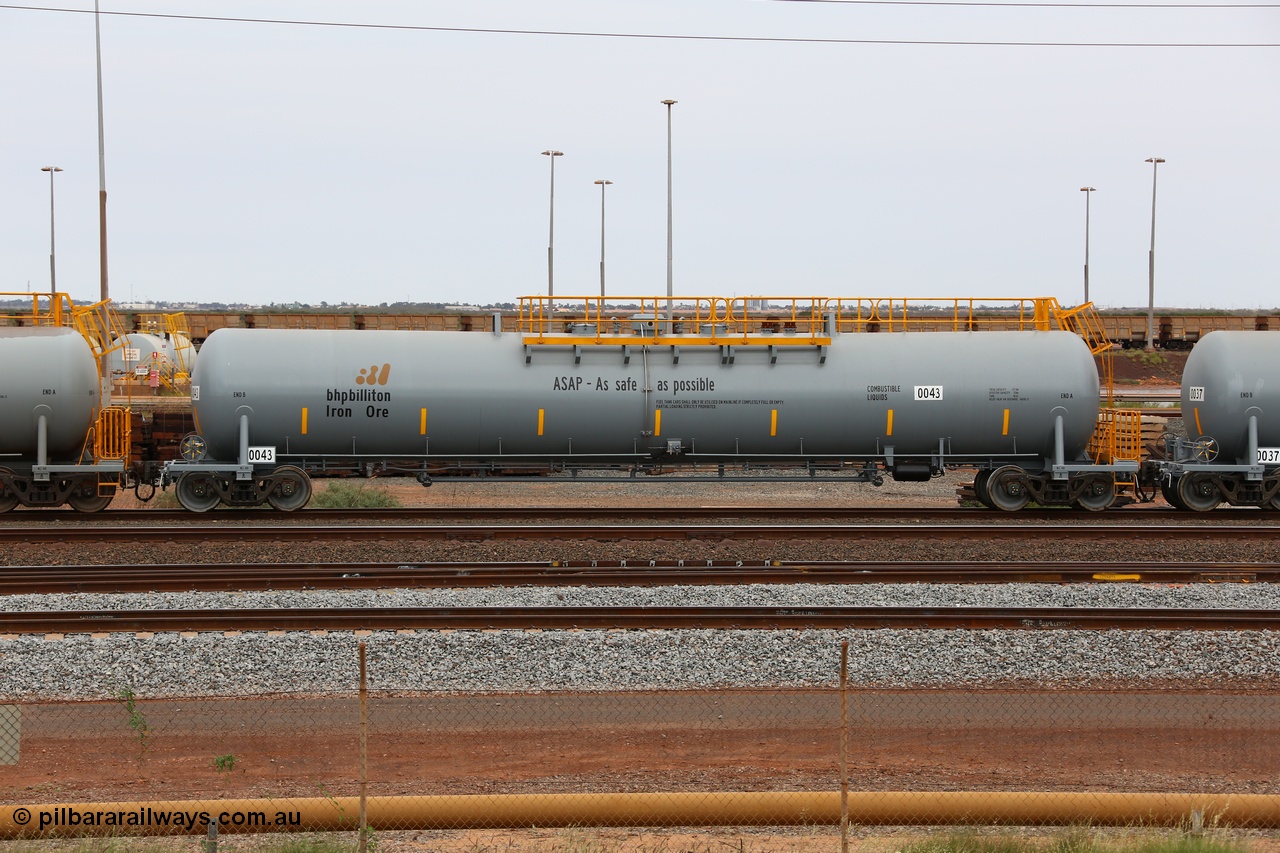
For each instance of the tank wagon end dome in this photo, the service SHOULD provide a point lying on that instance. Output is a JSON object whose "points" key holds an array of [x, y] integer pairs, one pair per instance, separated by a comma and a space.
{"points": [[1230, 377]]}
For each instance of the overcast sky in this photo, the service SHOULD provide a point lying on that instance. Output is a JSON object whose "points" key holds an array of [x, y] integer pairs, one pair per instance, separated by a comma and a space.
{"points": [[279, 162]]}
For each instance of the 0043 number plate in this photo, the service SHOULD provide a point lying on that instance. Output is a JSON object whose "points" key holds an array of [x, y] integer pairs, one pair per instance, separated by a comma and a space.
{"points": [[262, 456]]}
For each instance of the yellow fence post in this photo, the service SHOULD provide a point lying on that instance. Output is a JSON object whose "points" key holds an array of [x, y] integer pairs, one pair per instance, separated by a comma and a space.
{"points": [[362, 844], [844, 746]]}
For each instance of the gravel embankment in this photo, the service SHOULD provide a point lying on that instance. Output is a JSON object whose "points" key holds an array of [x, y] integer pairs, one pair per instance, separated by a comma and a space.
{"points": [[81, 666], [1221, 596], [84, 666], [98, 666]]}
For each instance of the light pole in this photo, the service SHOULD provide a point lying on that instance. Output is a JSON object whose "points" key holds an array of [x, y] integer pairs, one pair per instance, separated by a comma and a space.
{"points": [[551, 236], [1151, 257], [102, 182], [1087, 192], [603, 184], [53, 268], [669, 104]]}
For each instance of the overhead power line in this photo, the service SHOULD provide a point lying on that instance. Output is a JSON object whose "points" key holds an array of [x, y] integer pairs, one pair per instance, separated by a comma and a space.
{"points": [[1017, 5], [654, 36]]}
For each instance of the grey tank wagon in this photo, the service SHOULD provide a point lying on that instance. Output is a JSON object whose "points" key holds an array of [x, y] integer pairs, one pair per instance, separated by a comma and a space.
{"points": [[53, 428], [1231, 408], [273, 406]]}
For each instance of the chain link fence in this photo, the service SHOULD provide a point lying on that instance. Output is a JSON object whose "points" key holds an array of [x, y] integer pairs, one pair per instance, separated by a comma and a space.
{"points": [[136, 764]]}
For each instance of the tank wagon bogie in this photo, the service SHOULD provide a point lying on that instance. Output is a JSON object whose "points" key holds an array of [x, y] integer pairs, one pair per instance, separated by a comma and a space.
{"points": [[1231, 409], [57, 444], [270, 406]]}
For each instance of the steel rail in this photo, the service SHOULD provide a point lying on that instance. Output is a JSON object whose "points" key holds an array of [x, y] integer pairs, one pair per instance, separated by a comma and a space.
{"points": [[26, 515], [642, 618], [26, 580], [258, 533]]}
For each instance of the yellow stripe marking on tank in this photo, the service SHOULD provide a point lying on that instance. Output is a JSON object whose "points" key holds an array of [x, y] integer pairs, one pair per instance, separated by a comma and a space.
{"points": [[195, 419], [657, 422], [541, 419], [304, 420], [1197, 414], [422, 422], [1005, 428], [888, 424], [773, 423]]}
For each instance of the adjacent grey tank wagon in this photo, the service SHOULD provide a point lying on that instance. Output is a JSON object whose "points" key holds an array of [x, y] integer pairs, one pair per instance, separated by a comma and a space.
{"points": [[57, 445], [271, 407], [1231, 408]]}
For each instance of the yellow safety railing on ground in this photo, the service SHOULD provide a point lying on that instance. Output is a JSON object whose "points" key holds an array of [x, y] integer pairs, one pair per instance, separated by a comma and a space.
{"points": [[183, 350]]}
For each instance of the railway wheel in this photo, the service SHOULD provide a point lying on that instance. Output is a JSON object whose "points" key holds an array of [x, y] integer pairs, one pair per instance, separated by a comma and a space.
{"points": [[1099, 494], [8, 500], [980, 481], [293, 489], [86, 498], [196, 492], [1274, 503], [1007, 488], [1198, 492], [1169, 491]]}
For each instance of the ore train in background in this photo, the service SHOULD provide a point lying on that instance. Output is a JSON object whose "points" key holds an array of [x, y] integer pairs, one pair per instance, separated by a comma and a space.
{"points": [[272, 408]]}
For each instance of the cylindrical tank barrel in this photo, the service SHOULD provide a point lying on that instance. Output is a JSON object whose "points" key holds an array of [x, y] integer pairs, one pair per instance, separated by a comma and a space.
{"points": [[475, 395], [46, 371], [1229, 377]]}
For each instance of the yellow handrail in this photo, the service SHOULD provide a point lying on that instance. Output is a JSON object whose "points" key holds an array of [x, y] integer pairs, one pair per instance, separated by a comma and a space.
{"points": [[47, 309], [751, 319], [111, 434]]}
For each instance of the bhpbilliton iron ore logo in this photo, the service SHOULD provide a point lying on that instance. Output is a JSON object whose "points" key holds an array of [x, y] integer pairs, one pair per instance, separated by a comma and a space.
{"points": [[374, 376]]}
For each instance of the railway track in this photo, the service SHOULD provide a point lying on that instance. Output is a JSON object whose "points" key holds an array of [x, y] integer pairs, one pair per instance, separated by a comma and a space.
{"points": [[26, 580], [457, 514], [262, 533], [636, 618]]}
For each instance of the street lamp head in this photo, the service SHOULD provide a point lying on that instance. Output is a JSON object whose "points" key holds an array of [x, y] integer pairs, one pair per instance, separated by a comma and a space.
{"points": [[1155, 160], [554, 153], [603, 183], [50, 169], [1087, 190], [669, 102]]}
